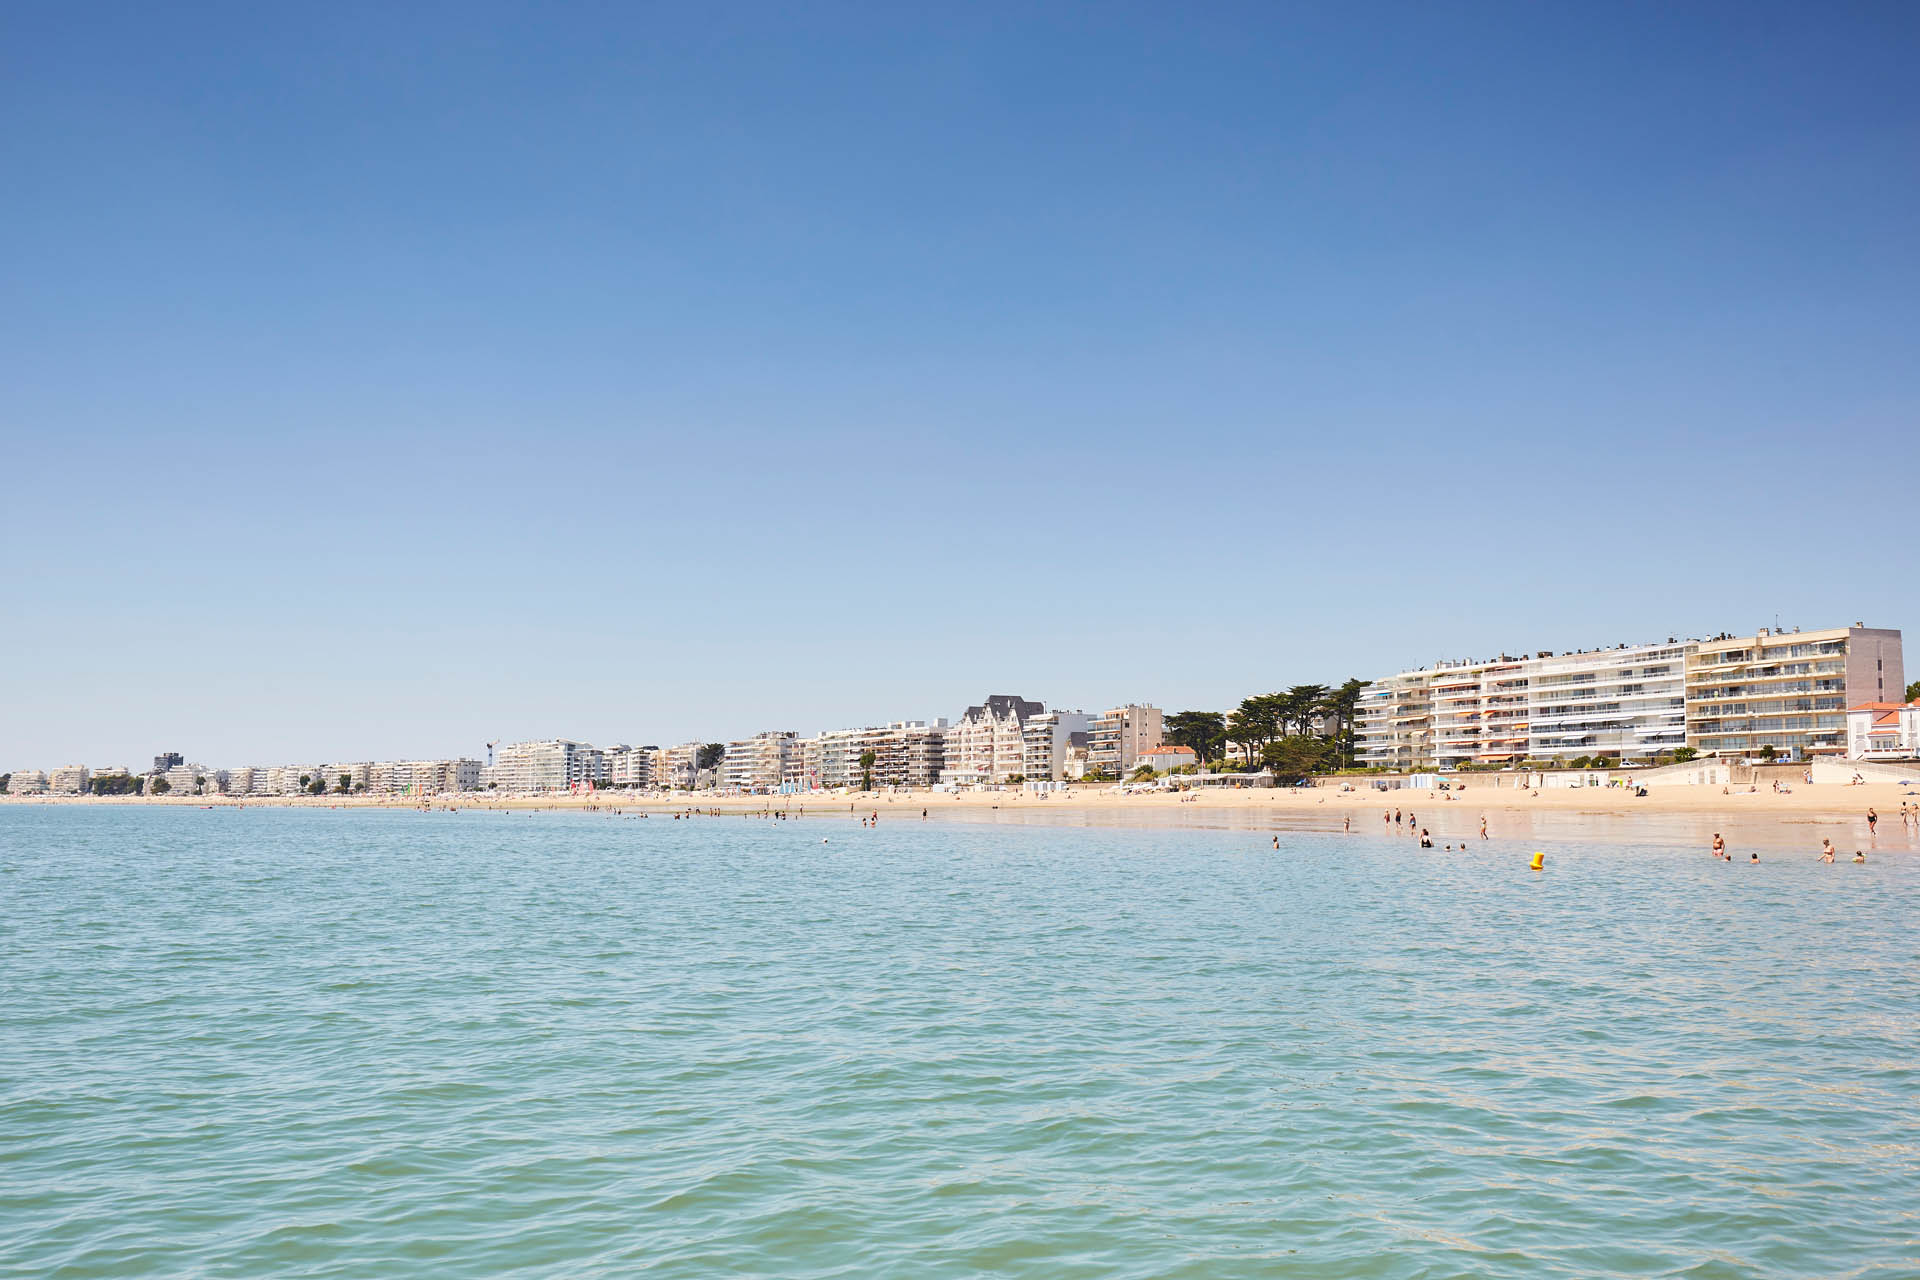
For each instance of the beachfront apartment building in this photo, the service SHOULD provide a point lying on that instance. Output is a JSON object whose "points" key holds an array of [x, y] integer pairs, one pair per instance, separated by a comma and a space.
{"points": [[1729, 695], [906, 753], [68, 780], [758, 765], [27, 782], [986, 746], [554, 764], [1046, 741], [1117, 736], [1626, 703], [630, 767], [1395, 729], [1788, 690]]}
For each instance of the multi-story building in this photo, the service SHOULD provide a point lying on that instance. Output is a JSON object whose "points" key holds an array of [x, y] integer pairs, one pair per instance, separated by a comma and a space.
{"points": [[758, 765], [630, 766], [244, 780], [27, 782], [1788, 690], [1116, 737], [1626, 703], [358, 773], [1045, 741], [986, 745], [68, 780], [166, 761], [1396, 722], [555, 764], [678, 767], [187, 779]]}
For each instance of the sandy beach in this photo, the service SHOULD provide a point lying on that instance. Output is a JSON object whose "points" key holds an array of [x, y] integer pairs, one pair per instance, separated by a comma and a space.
{"points": [[1675, 815]]}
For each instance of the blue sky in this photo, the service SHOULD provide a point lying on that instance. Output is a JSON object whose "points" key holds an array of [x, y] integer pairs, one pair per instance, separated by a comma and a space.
{"points": [[379, 380]]}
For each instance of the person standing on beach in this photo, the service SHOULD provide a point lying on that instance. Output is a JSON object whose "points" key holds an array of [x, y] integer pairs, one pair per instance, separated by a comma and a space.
{"points": [[1483, 826], [1873, 821]]}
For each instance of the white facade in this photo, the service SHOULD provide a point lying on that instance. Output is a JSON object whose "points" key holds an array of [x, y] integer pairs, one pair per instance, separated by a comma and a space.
{"points": [[555, 764], [68, 780], [987, 745], [630, 766], [1045, 741], [758, 765], [1884, 731], [1628, 703], [27, 782]]}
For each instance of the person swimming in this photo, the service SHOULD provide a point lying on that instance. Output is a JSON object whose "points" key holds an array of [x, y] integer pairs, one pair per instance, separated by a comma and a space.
{"points": [[1426, 841], [1859, 856]]}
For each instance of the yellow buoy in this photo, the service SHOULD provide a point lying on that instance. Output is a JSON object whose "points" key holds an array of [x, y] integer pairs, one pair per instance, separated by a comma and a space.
{"points": [[1539, 861]]}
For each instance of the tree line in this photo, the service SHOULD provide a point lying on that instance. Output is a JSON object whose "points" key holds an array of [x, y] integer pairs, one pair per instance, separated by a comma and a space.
{"points": [[1307, 729]]}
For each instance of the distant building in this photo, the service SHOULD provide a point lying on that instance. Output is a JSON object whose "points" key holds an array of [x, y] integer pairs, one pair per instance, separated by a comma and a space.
{"points": [[987, 745], [1164, 759], [630, 766], [170, 760], [758, 765], [1884, 731], [27, 782], [1116, 738], [68, 780], [1045, 741], [555, 764]]}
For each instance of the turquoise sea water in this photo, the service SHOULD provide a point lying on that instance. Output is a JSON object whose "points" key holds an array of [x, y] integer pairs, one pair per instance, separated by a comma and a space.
{"points": [[288, 1043]]}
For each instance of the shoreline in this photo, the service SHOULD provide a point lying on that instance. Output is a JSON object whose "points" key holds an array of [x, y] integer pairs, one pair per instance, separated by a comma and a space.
{"points": [[1681, 816]]}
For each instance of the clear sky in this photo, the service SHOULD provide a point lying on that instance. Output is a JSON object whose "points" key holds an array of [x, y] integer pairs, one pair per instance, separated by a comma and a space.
{"points": [[377, 380]]}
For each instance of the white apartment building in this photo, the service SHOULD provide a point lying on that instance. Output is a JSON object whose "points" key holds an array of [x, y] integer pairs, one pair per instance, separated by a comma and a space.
{"points": [[553, 764], [1729, 695], [241, 781], [1627, 703], [986, 745], [630, 766], [1788, 690], [758, 765], [1116, 737], [27, 782], [68, 780], [358, 773], [1045, 742], [906, 753], [1395, 730]]}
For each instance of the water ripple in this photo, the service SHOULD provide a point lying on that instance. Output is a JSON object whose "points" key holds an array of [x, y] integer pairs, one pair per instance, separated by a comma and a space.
{"points": [[236, 1043]]}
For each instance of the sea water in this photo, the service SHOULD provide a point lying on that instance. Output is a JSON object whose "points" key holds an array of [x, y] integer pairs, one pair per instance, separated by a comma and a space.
{"points": [[273, 1042]]}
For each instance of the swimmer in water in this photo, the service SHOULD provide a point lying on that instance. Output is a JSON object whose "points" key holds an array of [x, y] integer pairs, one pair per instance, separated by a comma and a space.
{"points": [[1858, 856]]}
